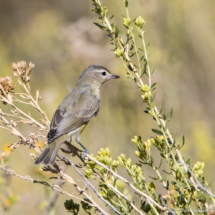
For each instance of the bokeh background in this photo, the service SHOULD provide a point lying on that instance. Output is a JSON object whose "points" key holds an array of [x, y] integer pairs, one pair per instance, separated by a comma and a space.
{"points": [[61, 39]]}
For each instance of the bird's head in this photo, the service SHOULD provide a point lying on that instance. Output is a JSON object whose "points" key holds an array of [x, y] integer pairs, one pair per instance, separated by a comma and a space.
{"points": [[96, 75]]}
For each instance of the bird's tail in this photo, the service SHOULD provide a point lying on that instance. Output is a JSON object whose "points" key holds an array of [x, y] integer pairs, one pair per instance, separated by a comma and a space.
{"points": [[49, 154]]}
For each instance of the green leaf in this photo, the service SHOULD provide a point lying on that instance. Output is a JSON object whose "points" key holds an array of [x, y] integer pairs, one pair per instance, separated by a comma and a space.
{"points": [[102, 184], [87, 207], [128, 38], [167, 185], [151, 161], [188, 161], [153, 97], [72, 206], [111, 17], [162, 155], [160, 164], [126, 3], [122, 190], [152, 71], [114, 182], [169, 173], [153, 178], [201, 197], [141, 58], [164, 177], [132, 46], [110, 192], [183, 139], [99, 25], [160, 110], [129, 67], [135, 64], [154, 85], [181, 185], [116, 31], [146, 208], [157, 131], [173, 183], [137, 186], [143, 204], [171, 113], [152, 104], [144, 67], [131, 54], [147, 44]]}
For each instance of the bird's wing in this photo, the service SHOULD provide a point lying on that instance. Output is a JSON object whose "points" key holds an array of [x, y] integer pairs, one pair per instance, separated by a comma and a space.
{"points": [[72, 113]]}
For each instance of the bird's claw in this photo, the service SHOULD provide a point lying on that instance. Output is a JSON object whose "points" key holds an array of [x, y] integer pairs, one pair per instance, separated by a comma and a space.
{"points": [[85, 153]]}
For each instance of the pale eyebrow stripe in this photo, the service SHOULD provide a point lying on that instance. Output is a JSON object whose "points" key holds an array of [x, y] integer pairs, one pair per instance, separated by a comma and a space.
{"points": [[98, 67]]}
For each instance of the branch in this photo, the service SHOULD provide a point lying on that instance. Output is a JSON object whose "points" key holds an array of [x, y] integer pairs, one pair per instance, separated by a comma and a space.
{"points": [[199, 185], [36, 104], [124, 197], [94, 189], [140, 83], [15, 131], [22, 113], [54, 187], [127, 182], [163, 203]]}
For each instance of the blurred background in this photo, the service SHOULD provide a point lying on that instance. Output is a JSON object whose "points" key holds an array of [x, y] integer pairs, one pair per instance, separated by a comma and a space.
{"points": [[61, 39]]}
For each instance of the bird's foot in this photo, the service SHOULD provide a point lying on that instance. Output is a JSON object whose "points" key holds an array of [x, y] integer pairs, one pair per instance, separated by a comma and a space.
{"points": [[85, 153]]}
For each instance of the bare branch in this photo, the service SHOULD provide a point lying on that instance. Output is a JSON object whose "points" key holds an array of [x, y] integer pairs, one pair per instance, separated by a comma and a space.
{"points": [[54, 187]]}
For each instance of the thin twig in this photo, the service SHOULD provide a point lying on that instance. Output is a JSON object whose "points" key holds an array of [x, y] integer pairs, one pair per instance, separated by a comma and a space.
{"points": [[37, 106], [127, 182], [199, 185], [163, 203], [54, 187], [12, 115], [94, 189], [146, 57], [17, 133], [124, 197], [22, 113]]}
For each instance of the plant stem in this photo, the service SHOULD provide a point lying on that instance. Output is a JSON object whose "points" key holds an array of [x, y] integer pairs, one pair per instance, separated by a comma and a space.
{"points": [[127, 182]]}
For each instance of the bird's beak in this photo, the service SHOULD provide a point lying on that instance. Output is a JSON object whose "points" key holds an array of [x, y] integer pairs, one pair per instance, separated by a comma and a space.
{"points": [[114, 77]]}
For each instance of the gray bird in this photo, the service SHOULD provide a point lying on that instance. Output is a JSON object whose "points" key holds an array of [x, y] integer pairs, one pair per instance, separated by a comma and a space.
{"points": [[75, 111]]}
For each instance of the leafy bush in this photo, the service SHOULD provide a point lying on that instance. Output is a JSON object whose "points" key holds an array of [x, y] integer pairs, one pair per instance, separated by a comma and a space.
{"points": [[187, 191]]}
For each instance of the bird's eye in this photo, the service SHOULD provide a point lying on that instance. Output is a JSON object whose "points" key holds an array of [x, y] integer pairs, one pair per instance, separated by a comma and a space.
{"points": [[103, 73]]}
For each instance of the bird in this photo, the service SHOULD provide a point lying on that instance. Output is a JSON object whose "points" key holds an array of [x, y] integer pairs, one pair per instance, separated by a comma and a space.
{"points": [[75, 112]]}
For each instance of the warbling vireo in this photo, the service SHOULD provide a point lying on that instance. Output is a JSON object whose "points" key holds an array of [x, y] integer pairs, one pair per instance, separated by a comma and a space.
{"points": [[75, 111]]}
